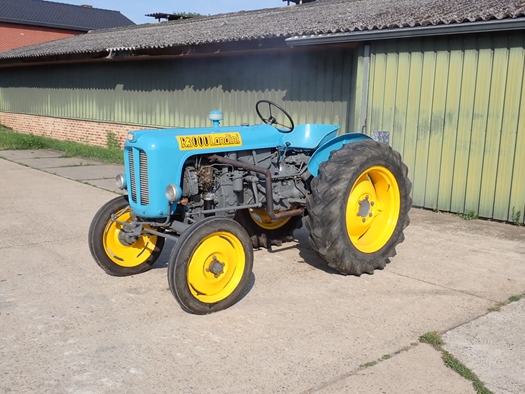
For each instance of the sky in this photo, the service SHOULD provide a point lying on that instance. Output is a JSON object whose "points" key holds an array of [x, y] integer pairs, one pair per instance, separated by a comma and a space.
{"points": [[135, 10]]}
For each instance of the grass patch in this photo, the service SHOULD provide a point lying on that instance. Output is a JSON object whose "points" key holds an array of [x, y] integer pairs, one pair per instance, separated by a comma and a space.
{"points": [[388, 356], [515, 298], [368, 364], [470, 215], [499, 305], [515, 217], [11, 140], [434, 339]]}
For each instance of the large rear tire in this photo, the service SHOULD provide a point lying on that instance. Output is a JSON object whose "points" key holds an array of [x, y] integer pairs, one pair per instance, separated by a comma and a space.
{"points": [[358, 207], [210, 265], [106, 244], [263, 232]]}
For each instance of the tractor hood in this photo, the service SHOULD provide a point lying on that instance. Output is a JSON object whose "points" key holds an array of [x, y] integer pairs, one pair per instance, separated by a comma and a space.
{"points": [[155, 158], [222, 139]]}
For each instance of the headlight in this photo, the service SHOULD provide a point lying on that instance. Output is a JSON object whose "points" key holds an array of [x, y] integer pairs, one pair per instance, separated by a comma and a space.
{"points": [[120, 180], [172, 194], [131, 137]]}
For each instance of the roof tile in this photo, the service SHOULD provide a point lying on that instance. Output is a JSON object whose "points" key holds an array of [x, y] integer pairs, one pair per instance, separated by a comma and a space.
{"points": [[66, 16]]}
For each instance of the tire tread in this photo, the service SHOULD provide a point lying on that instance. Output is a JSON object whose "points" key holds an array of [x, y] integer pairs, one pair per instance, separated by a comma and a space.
{"points": [[328, 199]]}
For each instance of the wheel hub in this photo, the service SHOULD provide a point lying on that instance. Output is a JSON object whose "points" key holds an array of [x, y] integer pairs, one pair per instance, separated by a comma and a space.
{"points": [[126, 239], [216, 267], [365, 208]]}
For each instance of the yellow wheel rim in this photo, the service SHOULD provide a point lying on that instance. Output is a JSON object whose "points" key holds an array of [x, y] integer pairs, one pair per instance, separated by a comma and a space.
{"points": [[126, 255], [216, 267], [372, 210], [261, 218]]}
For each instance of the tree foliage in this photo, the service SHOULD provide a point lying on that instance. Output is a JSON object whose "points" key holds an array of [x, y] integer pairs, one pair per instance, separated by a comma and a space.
{"points": [[190, 14]]}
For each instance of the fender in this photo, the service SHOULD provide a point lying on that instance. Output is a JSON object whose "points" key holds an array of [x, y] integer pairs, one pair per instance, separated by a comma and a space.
{"points": [[323, 153]]}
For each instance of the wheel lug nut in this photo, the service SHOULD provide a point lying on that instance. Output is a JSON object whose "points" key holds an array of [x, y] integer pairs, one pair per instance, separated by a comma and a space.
{"points": [[370, 214], [364, 220]]}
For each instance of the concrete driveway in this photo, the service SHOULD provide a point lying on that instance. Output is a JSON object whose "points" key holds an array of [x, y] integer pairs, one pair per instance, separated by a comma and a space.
{"points": [[66, 327]]}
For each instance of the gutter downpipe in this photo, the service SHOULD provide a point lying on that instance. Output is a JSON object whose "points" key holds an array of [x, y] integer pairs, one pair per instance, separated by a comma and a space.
{"points": [[407, 32], [364, 95]]}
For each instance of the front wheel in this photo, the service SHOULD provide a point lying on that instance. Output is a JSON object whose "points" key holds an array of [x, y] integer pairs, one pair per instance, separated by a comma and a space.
{"points": [[358, 207], [116, 253], [210, 265]]}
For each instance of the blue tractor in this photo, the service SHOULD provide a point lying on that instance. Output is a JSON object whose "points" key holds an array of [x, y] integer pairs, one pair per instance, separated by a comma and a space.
{"points": [[218, 192]]}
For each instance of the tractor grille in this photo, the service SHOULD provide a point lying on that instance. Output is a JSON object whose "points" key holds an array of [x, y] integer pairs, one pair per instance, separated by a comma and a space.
{"points": [[132, 176], [144, 190], [142, 177]]}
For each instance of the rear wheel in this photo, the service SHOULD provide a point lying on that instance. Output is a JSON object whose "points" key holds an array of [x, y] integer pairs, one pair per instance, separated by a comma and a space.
{"points": [[263, 231], [114, 251], [210, 265], [359, 207]]}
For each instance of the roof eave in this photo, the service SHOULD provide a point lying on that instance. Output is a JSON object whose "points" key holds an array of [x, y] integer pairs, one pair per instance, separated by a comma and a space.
{"points": [[45, 24], [407, 32], [136, 53]]}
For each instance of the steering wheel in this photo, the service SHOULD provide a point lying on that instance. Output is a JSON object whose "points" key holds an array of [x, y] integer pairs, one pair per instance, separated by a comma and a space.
{"points": [[271, 120]]}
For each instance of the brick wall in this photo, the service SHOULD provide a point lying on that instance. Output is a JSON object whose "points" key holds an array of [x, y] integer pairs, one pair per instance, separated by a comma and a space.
{"points": [[14, 35], [92, 133]]}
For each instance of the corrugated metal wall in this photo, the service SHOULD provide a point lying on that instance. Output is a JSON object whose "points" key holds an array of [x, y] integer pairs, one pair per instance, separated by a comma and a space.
{"points": [[455, 106], [456, 111], [312, 86]]}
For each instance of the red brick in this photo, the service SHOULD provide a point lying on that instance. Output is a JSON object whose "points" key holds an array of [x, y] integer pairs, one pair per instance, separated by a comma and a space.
{"points": [[15, 35], [87, 132]]}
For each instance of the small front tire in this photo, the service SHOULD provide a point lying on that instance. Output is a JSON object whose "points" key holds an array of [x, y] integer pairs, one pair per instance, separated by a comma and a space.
{"points": [[114, 256], [210, 265]]}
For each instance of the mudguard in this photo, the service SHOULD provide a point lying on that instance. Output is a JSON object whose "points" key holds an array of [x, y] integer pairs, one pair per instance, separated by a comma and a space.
{"points": [[323, 152]]}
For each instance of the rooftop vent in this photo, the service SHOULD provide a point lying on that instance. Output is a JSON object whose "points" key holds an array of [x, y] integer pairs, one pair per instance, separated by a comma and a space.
{"points": [[86, 5]]}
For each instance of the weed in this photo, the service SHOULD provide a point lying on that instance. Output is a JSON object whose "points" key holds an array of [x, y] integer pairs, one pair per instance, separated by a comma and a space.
{"points": [[111, 140], [456, 365], [515, 217], [499, 305], [516, 298], [388, 356], [469, 215], [460, 368], [434, 339]]}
